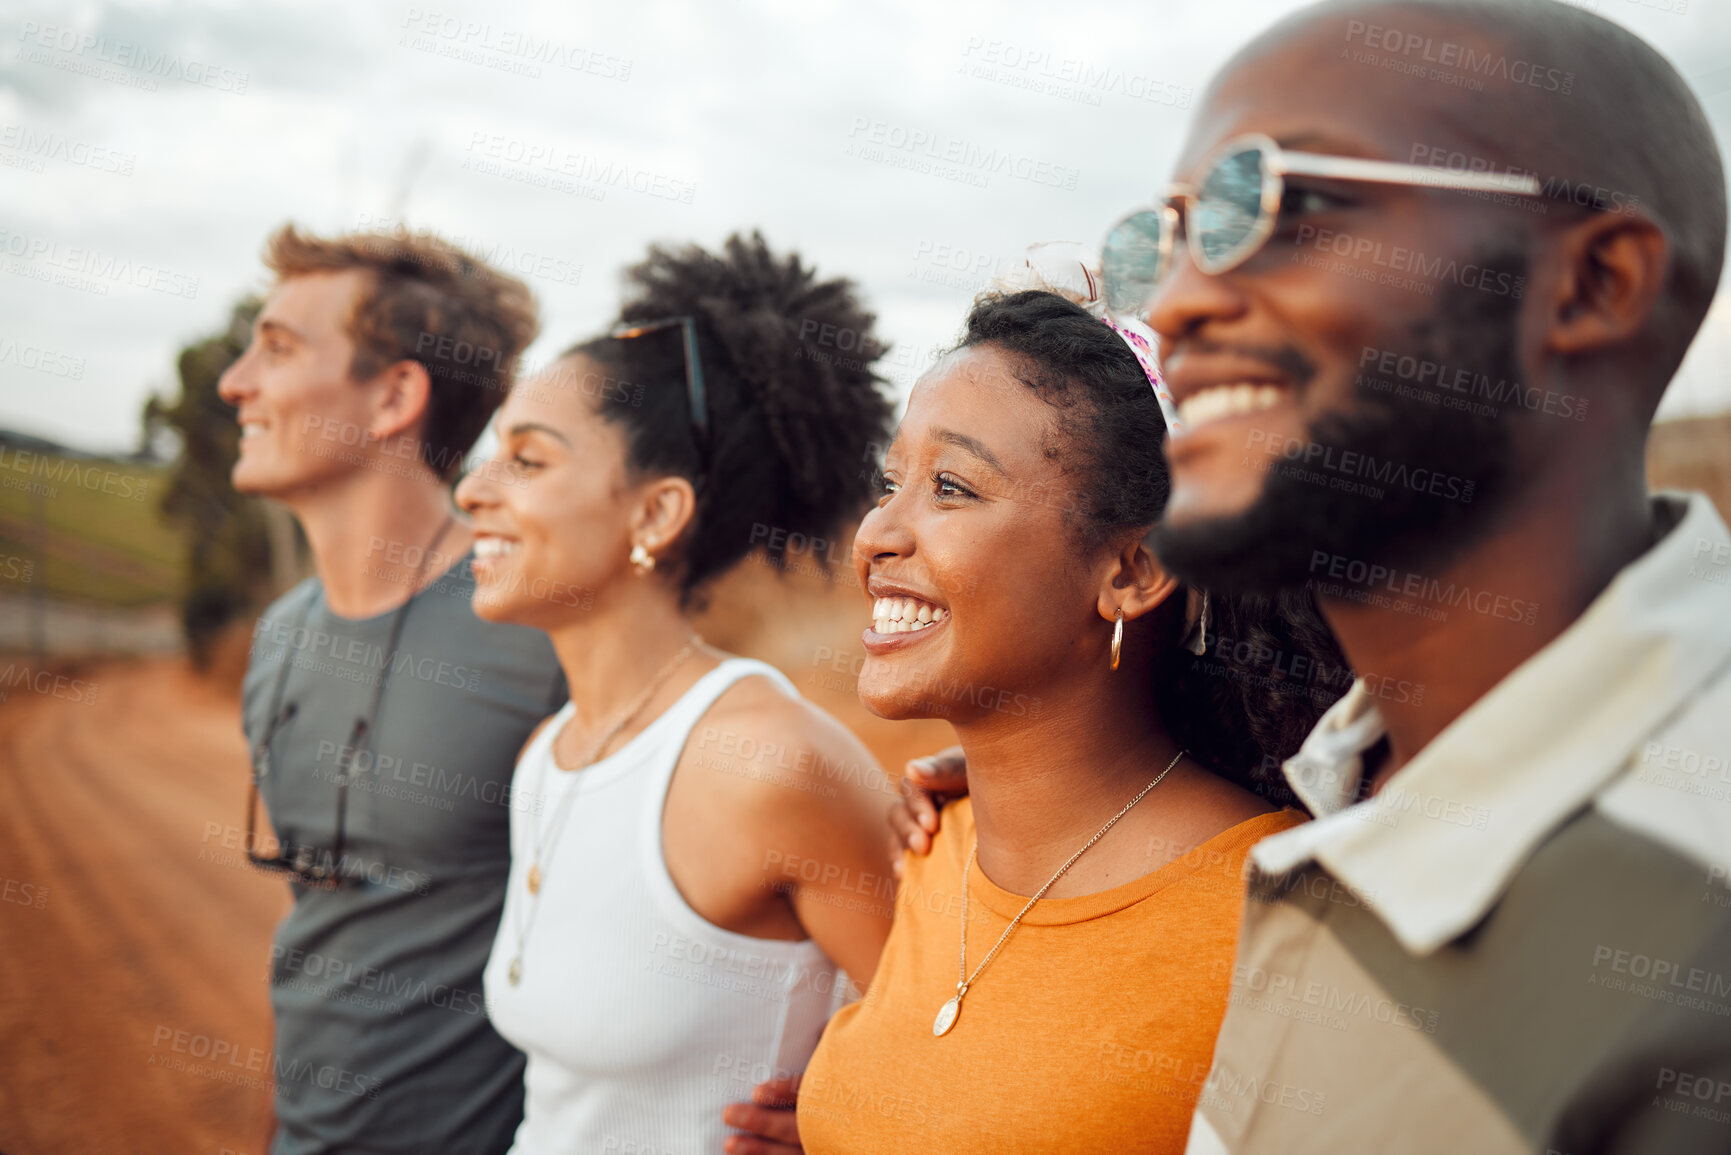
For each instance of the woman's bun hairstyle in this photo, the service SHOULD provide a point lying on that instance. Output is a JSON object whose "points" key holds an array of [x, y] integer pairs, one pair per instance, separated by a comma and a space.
{"points": [[797, 414]]}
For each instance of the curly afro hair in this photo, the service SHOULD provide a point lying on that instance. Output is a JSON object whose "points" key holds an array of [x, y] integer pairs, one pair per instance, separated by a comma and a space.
{"points": [[796, 412]]}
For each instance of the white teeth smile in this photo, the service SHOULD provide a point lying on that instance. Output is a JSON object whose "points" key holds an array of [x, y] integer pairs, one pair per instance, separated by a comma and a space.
{"points": [[251, 429], [488, 548], [1226, 401], [905, 615]]}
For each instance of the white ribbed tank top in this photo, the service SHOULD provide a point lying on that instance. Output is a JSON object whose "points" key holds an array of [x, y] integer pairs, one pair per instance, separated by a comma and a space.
{"points": [[640, 1019]]}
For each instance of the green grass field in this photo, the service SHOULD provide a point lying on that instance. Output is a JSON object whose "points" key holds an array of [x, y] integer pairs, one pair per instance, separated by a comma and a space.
{"points": [[100, 538]]}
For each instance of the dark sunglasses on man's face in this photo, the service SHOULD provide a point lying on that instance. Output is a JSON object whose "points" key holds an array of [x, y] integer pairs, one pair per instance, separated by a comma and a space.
{"points": [[1229, 215]]}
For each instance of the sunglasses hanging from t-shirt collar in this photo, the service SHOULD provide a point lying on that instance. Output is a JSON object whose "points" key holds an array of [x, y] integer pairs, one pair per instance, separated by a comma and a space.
{"points": [[307, 864]]}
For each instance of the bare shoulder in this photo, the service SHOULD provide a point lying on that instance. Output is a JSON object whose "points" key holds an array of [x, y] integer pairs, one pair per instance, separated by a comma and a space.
{"points": [[1201, 806], [788, 784], [786, 747], [779, 828], [1226, 801]]}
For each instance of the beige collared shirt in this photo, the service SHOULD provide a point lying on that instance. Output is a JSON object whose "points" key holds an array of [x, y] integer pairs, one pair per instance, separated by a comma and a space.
{"points": [[1522, 942]]}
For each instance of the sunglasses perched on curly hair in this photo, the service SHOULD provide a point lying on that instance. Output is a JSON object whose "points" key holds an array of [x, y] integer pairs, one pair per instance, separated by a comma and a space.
{"points": [[1228, 216], [695, 396]]}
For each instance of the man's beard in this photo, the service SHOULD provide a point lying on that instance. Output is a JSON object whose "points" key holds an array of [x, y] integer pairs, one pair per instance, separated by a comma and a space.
{"points": [[1304, 512]]}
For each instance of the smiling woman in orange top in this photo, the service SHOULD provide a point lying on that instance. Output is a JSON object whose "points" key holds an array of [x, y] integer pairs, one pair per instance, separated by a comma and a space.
{"points": [[1004, 552]]}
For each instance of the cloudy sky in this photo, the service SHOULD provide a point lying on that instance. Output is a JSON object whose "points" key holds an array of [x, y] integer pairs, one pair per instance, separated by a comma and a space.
{"points": [[147, 149]]}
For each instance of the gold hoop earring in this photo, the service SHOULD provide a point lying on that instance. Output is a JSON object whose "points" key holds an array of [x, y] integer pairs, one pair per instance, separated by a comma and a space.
{"points": [[1117, 639], [641, 559]]}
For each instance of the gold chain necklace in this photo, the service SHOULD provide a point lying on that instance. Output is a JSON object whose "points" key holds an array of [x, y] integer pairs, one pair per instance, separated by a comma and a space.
{"points": [[948, 1013], [551, 842]]}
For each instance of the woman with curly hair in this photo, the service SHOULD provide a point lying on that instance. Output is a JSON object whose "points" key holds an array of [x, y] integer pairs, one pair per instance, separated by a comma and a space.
{"points": [[1061, 959], [690, 839]]}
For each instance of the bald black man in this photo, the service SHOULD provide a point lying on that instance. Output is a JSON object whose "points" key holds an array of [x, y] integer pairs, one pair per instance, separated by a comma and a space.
{"points": [[1421, 387]]}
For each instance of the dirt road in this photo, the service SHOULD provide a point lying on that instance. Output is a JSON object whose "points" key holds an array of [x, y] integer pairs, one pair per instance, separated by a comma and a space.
{"points": [[133, 936]]}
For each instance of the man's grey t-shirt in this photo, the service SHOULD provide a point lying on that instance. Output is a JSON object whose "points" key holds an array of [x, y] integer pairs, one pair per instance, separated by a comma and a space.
{"points": [[383, 1043]]}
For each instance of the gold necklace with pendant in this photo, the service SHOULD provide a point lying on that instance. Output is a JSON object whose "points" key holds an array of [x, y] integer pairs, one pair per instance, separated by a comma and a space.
{"points": [[515, 972], [951, 1010]]}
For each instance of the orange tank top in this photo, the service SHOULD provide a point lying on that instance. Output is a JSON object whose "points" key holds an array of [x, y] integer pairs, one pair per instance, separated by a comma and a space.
{"points": [[1092, 1030]]}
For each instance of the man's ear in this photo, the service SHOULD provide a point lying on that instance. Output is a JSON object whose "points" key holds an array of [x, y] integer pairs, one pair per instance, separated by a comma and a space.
{"points": [[1136, 583], [1612, 272], [400, 397], [665, 507]]}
